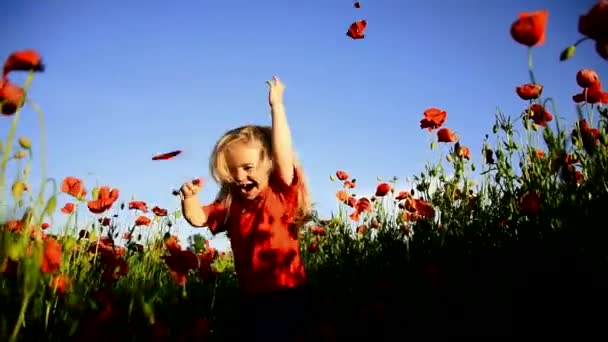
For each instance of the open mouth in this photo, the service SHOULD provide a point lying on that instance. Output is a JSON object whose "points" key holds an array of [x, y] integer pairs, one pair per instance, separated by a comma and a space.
{"points": [[247, 187]]}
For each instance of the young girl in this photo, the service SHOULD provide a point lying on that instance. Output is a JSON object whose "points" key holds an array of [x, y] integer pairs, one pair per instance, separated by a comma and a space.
{"points": [[262, 202]]}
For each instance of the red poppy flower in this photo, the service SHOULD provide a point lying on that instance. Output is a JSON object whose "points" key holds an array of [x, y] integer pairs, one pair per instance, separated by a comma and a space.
{"points": [[587, 78], [446, 135], [60, 284], [342, 175], [11, 97], [357, 29], [68, 208], [139, 205], [530, 28], [539, 115], [24, 60], [143, 221], [73, 187], [433, 118], [529, 91], [51, 259], [463, 152], [159, 211], [593, 94], [106, 199]]}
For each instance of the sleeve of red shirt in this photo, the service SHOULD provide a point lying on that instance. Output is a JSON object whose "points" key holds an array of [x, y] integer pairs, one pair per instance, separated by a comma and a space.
{"points": [[216, 214], [287, 190]]}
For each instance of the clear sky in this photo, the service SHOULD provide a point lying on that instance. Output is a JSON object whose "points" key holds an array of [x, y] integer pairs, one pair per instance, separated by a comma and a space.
{"points": [[128, 79]]}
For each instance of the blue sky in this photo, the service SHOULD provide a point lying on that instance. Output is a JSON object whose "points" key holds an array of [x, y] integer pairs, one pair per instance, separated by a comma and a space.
{"points": [[128, 79]]}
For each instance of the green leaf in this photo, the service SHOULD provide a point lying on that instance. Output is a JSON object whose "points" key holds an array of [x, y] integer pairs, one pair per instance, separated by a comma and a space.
{"points": [[148, 311]]}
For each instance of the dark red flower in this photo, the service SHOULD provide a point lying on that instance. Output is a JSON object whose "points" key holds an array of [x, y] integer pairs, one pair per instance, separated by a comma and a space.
{"points": [[382, 189], [593, 23], [530, 204], [159, 211]]}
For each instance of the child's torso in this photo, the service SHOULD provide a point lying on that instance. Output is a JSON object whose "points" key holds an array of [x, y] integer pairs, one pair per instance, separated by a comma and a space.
{"points": [[265, 244]]}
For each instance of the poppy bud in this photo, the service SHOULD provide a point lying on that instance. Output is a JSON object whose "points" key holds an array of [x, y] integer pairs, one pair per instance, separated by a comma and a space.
{"points": [[25, 143], [20, 155], [567, 53]]}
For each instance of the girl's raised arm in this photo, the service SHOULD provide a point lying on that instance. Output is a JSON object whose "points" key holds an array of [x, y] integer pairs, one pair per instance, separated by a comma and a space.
{"points": [[281, 134]]}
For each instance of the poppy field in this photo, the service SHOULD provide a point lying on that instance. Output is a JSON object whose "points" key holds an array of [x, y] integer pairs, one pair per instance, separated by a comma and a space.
{"points": [[509, 241]]}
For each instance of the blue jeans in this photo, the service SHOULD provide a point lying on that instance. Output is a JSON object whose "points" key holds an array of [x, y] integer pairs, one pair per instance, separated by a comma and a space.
{"points": [[277, 316]]}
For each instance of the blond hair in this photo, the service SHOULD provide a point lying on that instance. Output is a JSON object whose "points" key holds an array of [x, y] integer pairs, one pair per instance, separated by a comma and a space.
{"points": [[221, 173]]}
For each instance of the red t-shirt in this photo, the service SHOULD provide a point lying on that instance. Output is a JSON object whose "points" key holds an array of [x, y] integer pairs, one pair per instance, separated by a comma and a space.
{"points": [[263, 236]]}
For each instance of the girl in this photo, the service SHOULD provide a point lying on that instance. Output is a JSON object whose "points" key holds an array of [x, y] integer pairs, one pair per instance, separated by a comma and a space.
{"points": [[262, 202]]}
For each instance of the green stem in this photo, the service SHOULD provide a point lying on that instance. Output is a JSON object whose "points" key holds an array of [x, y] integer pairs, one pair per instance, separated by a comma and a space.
{"points": [[531, 65], [554, 109], [46, 316], [578, 42], [40, 199], [21, 319], [38, 111], [7, 150], [213, 297]]}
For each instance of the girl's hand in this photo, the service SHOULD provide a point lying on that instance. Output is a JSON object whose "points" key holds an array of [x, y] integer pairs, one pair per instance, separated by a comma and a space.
{"points": [[275, 92], [190, 189]]}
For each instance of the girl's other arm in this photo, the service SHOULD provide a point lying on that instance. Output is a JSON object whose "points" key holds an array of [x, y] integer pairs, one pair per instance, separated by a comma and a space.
{"points": [[193, 212]]}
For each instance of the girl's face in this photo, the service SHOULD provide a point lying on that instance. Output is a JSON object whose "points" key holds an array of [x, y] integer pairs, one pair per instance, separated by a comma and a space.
{"points": [[249, 171]]}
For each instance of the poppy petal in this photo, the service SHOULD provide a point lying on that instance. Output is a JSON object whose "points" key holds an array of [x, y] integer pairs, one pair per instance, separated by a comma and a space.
{"points": [[166, 156]]}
